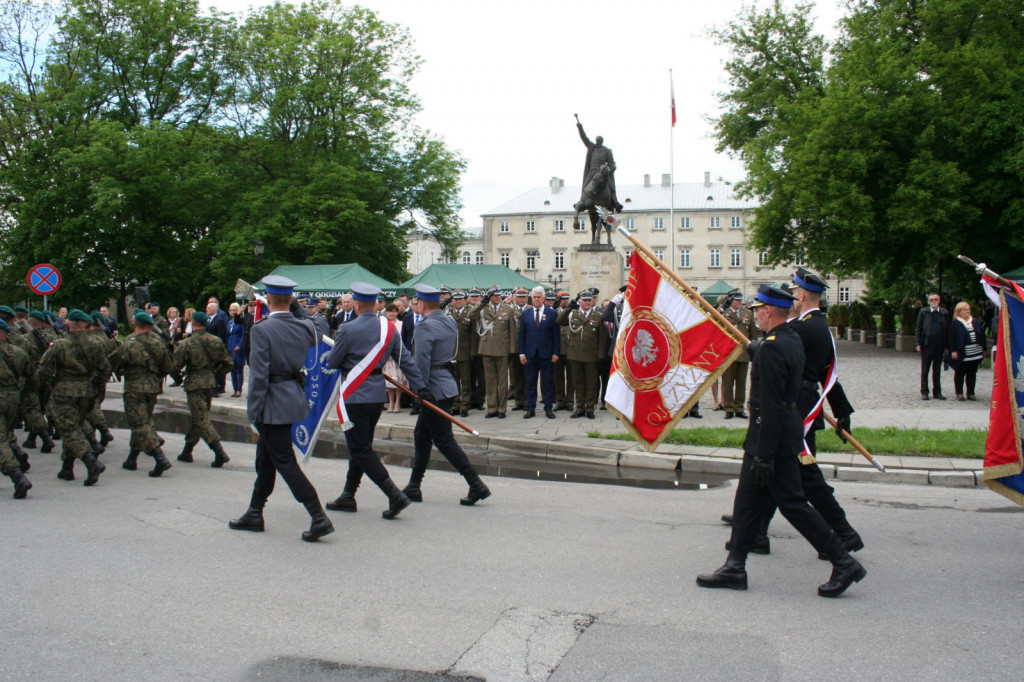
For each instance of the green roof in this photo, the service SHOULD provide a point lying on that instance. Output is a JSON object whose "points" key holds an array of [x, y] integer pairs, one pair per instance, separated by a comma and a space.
{"points": [[719, 288], [458, 276], [331, 281]]}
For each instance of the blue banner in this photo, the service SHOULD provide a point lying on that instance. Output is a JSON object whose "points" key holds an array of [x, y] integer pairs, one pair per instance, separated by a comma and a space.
{"points": [[321, 393]]}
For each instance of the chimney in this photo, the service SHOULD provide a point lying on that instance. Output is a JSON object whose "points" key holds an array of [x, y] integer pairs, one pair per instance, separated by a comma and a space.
{"points": [[666, 179], [647, 179], [556, 184], [707, 178]]}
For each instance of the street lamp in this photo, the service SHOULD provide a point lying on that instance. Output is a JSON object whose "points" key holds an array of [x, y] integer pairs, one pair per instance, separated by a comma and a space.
{"points": [[257, 249]]}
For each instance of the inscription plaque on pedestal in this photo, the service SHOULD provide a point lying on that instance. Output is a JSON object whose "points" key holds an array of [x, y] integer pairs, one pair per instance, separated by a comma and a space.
{"points": [[597, 266]]}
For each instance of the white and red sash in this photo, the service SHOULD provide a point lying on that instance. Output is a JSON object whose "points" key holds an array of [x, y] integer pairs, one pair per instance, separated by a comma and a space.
{"points": [[358, 374], [831, 377]]}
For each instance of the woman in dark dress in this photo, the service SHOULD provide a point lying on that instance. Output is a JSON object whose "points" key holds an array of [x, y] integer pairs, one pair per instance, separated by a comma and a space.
{"points": [[236, 346]]}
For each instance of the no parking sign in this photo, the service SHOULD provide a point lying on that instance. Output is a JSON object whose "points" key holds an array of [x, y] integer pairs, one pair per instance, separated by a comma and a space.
{"points": [[43, 279]]}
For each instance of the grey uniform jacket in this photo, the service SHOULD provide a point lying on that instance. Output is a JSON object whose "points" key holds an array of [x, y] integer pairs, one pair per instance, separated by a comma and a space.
{"points": [[354, 341], [434, 340], [278, 346]]}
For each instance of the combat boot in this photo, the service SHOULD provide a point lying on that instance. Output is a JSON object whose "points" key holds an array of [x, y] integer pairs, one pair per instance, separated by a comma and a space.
{"points": [[186, 453], [762, 545], [478, 490], [20, 455], [252, 519], [67, 470], [220, 458], [845, 570], [732, 574], [21, 484], [94, 468], [319, 525], [105, 435], [132, 462], [397, 499], [346, 502], [848, 536], [30, 441], [48, 444], [412, 491], [162, 464], [97, 449]]}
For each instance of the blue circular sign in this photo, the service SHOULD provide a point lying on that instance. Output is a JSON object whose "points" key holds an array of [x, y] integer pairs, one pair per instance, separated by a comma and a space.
{"points": [[43, 279]]}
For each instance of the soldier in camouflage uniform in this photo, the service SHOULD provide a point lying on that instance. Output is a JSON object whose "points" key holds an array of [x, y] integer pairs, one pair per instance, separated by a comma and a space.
{"points": [[97, 334], [459, 311], [15, 366], [32, 398], [206, 360], [143, 361], [7, 315], [75, 368], [587, 342]]}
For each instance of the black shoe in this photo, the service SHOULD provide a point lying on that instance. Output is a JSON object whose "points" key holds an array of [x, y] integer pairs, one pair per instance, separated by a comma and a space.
{"points": [[717, 409], [603, 407], [501, 415], [939, 396], [414, 411], [729, 415], [162, 463], [463, 413], [319, 525], [478, 490], [924, 396], [742, 415], [529, 414], [412, 490], [850, 538], [575, 415], [346, 502], [845, 571], [590, 415], [252, 520], [550, 414], [732, 574], [490, 415], [518, 408], [396, 499], [220, 458], [971, 397], [727, 519]]}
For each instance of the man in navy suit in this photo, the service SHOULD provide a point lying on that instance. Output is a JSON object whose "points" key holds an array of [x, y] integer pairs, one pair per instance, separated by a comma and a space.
{"points": [[539, 344]]}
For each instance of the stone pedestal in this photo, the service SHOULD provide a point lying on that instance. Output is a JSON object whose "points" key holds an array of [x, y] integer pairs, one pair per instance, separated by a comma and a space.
{"points": [[597, 266]]}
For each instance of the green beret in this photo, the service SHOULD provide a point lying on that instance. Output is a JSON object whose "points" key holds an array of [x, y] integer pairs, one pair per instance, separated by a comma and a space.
{"points": [[144, 318], [79, 316], [4, 327], [50, 316], [7, 310], [97, 318], [38, 314], [20, 309], [200, 318], [139, 310]]}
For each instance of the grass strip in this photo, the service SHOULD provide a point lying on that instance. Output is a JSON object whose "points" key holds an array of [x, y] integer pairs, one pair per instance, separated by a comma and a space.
{"points": [[889, 440]]}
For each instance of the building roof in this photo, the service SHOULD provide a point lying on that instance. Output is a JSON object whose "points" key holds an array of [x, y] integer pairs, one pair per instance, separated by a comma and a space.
{"points": [[331, 281], [467, 276], [689, 196]]}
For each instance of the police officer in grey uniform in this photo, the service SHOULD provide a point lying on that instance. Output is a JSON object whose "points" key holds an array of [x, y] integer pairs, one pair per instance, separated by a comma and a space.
{"points": [[434, 343], [276, 400], [354, 342]]}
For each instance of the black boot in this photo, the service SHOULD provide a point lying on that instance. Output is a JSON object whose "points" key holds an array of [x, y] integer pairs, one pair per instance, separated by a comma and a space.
{"points": [[21, 456], [319, 525], [762, 545], [21, 484], [97, 449], [132, 463], [48, 444], [252, 519], [397, 499], [848, 536], [162, 464], [412, 491], [346, 502], [727, 519], [94, 467], [220, 458], [30, 442], [732, 574], [186, 453], [67, 470], [845, 570], [105, 435], [477, 490]]}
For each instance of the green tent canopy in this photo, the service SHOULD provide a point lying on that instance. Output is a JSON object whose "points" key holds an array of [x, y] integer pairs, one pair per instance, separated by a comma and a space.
{"points": [[456, 276], [331, 281], [719, 288], [1016, 275]]}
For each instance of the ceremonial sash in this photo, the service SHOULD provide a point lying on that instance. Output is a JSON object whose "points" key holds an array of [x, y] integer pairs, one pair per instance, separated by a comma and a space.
{"points": [[358, 374], [831, 377]]}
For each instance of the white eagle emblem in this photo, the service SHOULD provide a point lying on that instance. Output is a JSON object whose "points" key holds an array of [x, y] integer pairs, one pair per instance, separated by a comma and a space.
{"points": [[644, 350], [1018, 381]]}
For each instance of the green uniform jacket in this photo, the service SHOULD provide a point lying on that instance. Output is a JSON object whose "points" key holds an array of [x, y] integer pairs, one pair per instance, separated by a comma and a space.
{"points": [[143, 360], [76, 367], [464, 325], [744, 321], [588, 340], [496, 329], [205, 358], [12, 381]]}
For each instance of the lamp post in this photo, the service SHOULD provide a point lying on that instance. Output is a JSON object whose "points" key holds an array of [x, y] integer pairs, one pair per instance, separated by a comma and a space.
{"points": [[257, 249]]}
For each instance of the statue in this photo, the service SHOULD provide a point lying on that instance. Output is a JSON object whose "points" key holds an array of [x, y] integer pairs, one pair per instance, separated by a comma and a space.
{"points": [[598, 185]]}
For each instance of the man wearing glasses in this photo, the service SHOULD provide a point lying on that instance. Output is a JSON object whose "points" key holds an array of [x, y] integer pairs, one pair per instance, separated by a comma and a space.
{"points": [[932, 325]]}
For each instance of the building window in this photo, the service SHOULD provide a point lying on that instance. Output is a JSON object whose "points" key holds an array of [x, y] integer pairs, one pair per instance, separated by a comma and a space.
{"points": [[629, 254], [800, 259], [559, 226], [503, 226], [684, 224], [660, 254], [559, 260], [684, 258], [465, 258], [629, 224], [581, 224], [531, 261], [659, 223], [763, 260], [735, 259], [479, 257], [716, 258], [716, 222], [504, 258], [844, 294], [531, 226], [734, 222]]}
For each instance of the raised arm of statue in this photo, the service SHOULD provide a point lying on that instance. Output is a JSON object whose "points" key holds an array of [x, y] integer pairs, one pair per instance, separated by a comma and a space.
{"points": [[583, 136]]}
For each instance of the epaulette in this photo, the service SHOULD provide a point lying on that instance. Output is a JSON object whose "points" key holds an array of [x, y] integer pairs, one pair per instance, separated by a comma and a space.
{"points": [[805, 317], [770, 338]]}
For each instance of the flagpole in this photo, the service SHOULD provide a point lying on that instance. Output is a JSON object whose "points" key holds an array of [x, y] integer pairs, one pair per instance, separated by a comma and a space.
{"points": [[426, 403], [672, 174], [719, 317]]}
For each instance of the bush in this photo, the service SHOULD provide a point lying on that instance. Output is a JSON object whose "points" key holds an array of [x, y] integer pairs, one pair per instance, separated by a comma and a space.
{"points": [[908, 318], [887, 319], [868, 320], [858, 312], [839, 315]]}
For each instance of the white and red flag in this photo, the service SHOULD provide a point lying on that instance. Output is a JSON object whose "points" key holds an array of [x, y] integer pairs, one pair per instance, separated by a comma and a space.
{"points": [[669, 350], [672, 92]]}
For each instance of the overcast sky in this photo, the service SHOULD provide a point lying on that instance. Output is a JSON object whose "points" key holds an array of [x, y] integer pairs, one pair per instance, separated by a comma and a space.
{"points": [[501, 81]]}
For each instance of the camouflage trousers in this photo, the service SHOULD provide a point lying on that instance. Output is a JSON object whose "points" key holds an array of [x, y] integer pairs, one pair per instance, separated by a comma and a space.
{"points": [[138, 410], [32, 411], [69, 418], [8, 415], [199, 402], [95, 415]]}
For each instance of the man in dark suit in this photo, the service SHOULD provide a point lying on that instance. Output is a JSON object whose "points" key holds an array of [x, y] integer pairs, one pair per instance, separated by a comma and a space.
{"points": [[539, 343], [276, 401], [932, 329], [345, 312]]}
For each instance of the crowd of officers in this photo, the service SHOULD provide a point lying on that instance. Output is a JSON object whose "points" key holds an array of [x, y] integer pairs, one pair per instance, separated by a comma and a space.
{"points": [[53, 382]]}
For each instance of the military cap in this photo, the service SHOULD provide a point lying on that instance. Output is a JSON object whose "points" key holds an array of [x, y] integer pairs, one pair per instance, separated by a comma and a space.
{"points": [[494, 290], [562, 294], [459, 293], [276, 284], [475, 292], [200, 318], [146, 320], [549, 296], [20, 309], [805, 279], [38, 314], [312, 300], [426, 292], [79, 316], [445, 290], [154, 304], [586, 295], [774, 296], [365, 292], [6, 310], [4, 327], [520, 291], [734, 295]]}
